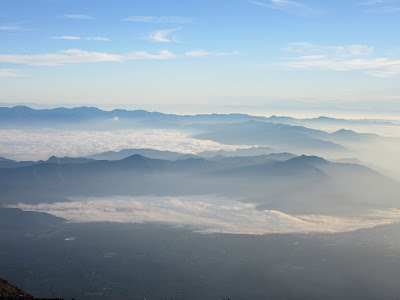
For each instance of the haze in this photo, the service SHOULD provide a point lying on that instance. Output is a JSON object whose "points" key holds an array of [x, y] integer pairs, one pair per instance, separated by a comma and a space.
{"points": [[241, 149]]}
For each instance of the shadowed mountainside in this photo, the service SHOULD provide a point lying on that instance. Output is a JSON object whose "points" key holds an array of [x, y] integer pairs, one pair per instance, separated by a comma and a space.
{"points": [[9, 163], [281, 136], [10, 292], [302, 184]]}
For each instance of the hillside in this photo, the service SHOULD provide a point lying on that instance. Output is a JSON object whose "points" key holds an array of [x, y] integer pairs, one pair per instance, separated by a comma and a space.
{"points": [[10, 292]]}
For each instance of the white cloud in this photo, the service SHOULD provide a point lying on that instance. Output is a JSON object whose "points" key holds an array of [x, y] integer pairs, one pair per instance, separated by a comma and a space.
{"points": [[292, 7], [74, 56], [59, 58], [204, 53], [150, 19], [206, 213], [341, 58], [79, 56], [41, 144], [10, 27], [65, 37], [379, 67], [162, 36], [11, 73], [164, 54], [97, 38], [346, 50], [78, 17], [381, 6], [68, 37]]}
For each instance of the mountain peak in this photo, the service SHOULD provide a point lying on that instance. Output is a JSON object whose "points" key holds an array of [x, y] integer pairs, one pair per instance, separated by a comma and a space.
{"points": [[345, 132], [313, 160], [135, 157]]}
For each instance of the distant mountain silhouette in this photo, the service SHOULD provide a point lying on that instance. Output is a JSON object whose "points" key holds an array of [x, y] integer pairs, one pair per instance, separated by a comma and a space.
{"points": [[300, 184], [246, 161], [323, 120], [97, 118], [149, 153], [304, 159], [9, 163], [350, 160], [168, 155], [273, 135], [23, 115], [253, 151], [350, 135]]}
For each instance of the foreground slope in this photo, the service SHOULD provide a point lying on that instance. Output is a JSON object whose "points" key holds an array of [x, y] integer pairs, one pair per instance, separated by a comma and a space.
{"points": [[10, 292]]}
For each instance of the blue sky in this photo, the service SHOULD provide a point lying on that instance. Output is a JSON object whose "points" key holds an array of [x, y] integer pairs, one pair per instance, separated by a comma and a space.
{"points": [[200, 52]]}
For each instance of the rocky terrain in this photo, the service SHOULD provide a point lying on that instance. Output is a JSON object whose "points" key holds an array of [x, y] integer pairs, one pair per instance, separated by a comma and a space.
{"points": [[10, 292]]}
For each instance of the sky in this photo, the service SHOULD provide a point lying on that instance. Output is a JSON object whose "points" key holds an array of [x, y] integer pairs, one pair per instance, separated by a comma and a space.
{"points": [[279, 54]]}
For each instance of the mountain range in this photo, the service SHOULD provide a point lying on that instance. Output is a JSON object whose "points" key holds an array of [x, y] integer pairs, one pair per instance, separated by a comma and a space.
{"points": [[231, 129], [293, 184], [24, 116], [273, 134]]}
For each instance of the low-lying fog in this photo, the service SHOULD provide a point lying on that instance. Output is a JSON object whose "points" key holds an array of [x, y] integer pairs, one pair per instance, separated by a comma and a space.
{"points": [[207, 214], [21, 144], [41, 144]]}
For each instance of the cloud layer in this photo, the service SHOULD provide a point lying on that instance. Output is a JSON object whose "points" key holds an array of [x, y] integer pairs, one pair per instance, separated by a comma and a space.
{"points": [[41, 144], [208, 214], [341, 58], [11, 73], [73, 56]]}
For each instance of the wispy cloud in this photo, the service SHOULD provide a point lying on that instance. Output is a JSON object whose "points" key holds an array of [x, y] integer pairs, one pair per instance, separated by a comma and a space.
{"points": [[97, 38], [72, 56], [379, 67], [381, 6], [164, 54], [68, 37], [163, 36], [11, 73], [347, 50], [341, 58], [204, 53], [292, 7], [78, 17], [65, 37], [75, 56], [150, 19], [9, 27]]}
